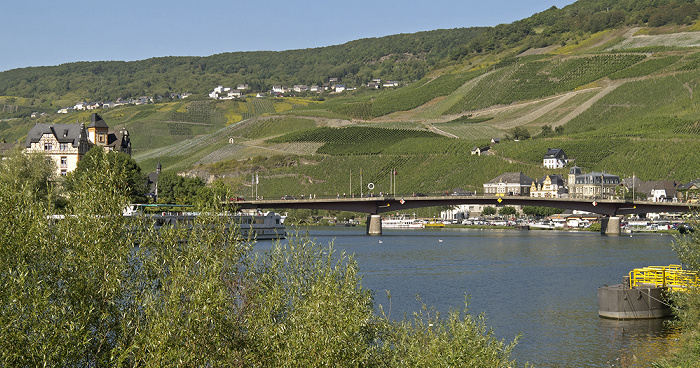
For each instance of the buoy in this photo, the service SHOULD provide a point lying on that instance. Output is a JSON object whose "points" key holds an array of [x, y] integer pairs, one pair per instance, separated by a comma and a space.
{"points": [[380, 242], [440, 240]]}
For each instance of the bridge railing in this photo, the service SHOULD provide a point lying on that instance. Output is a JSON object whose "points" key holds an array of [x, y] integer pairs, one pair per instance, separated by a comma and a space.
{"points": [[672, 276]]}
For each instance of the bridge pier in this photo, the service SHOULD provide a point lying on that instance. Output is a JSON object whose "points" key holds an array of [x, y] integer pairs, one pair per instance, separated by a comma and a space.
{"points": [[610, 225], [374, 225]]}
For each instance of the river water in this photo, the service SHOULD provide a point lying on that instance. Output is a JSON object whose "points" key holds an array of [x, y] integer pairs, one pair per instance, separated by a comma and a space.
{"points": [[539, 284]]}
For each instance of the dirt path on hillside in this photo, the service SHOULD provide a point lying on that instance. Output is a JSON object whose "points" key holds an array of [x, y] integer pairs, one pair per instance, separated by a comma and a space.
{"points": [[588, 103]]}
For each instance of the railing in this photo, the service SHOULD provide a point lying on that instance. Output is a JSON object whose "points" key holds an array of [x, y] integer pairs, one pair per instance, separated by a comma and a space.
{"points": [[671, 276]]}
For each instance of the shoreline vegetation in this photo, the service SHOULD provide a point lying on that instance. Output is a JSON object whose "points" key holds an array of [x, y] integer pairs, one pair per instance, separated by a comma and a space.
{"points": [[92, 288]]}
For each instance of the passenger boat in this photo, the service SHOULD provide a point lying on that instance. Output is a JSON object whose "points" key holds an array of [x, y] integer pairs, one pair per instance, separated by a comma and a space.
{"points": [[252, 225], [401, 223]]}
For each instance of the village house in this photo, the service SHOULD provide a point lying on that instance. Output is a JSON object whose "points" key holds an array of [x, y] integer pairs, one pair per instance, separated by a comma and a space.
{"points": [[555, 158], [659, 191], [550, 186], [512, 183], [480, 150], [66, 144]]}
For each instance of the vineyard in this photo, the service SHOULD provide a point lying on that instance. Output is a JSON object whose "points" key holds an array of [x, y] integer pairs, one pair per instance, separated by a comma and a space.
{"points": [[261, 128], [540, 78], [354, 140]]}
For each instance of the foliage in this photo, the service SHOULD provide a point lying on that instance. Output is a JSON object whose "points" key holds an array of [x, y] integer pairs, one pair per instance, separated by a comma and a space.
{"points": [[507, 211], [539, 211], [176, 189], [31, 174], [687, 304], [489, 211], [95, 288], [124, 170]]}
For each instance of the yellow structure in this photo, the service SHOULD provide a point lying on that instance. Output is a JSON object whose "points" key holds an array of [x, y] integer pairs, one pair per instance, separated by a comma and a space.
{"points": [[674, 277]]}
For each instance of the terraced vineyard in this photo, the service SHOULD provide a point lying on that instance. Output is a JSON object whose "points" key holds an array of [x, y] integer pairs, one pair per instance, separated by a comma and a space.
{"points": [[536, 79]]}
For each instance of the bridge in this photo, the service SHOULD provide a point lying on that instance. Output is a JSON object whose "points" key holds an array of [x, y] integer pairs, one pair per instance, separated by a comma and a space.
{"points": [[373, 206]]}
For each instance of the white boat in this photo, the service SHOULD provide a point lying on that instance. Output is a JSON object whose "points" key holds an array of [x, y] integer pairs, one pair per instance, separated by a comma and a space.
{"points": [[402, 223]]}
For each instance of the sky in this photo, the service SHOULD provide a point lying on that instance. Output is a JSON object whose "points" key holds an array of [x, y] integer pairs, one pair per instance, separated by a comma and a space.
{"points": [[50, 32]]}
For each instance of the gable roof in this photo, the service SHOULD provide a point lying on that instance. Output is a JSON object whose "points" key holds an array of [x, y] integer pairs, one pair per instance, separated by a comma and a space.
{"points": [[512, 178], [64, 133], [555, 153]]}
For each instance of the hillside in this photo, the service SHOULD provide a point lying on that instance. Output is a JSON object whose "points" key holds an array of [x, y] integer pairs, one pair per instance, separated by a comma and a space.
{"points": [[612, 84]]}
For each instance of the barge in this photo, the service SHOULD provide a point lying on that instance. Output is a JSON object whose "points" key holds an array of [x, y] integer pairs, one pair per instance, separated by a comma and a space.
{"points": [[644, 293]]}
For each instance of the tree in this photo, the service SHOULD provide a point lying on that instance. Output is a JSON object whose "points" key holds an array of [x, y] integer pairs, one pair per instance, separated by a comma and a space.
{"points": [[176, 189], [28, 173], [520, 133], [507, 211], [489, 211], [123, 170], [539, 211]]}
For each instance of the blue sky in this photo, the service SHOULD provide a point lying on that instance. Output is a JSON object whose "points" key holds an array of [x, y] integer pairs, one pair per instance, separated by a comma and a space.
{"points": [[42, 32]]}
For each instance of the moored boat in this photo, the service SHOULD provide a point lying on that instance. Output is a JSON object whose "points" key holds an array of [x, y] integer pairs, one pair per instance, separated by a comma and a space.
{"points": [[401, 222]]}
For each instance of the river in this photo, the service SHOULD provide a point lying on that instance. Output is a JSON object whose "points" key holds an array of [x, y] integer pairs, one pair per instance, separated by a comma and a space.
{"points": [[539, 284]]}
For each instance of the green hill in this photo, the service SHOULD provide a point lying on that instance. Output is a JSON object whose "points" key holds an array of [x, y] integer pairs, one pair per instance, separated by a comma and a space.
{"points": [[612, 84]]}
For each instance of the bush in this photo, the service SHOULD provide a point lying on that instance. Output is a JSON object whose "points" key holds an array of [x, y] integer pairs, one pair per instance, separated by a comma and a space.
{"points": [[95, 288]]}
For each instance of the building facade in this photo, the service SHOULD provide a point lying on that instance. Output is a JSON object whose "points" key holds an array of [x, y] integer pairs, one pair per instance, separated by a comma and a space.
{"points": [[66, 144], [595, 184], [555, 158], [551, 186], [513, 183]]}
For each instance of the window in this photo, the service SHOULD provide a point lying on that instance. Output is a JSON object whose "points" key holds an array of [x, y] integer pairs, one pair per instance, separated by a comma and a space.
{"points": [[64, 161], [47, 147], [63, 147], [101, 138], [64, 172]]}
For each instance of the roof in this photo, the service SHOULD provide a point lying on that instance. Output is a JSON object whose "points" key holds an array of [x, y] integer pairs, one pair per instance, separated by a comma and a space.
{"points": [[668, 186], [512, 178], [64, 133], [96, 121], [556, 180], [575, 171], [554, 153]]}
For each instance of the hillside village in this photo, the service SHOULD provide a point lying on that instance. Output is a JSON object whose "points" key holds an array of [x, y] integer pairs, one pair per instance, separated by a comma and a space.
{"points": [[66, 144]]}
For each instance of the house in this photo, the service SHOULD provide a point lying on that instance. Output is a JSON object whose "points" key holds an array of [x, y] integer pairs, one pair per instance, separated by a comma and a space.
{"points": [[389, 84], [333, 80], [512, 183], [555, 158], [550, 186], [374, 85], [495, 140], [279, 89], [300, 88], [65, 110], [480, 150], [81, 106], [660, 191], [594, 184], [98, 134], [65, 144], [242, 86], [339, 88], [315, 88]]}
